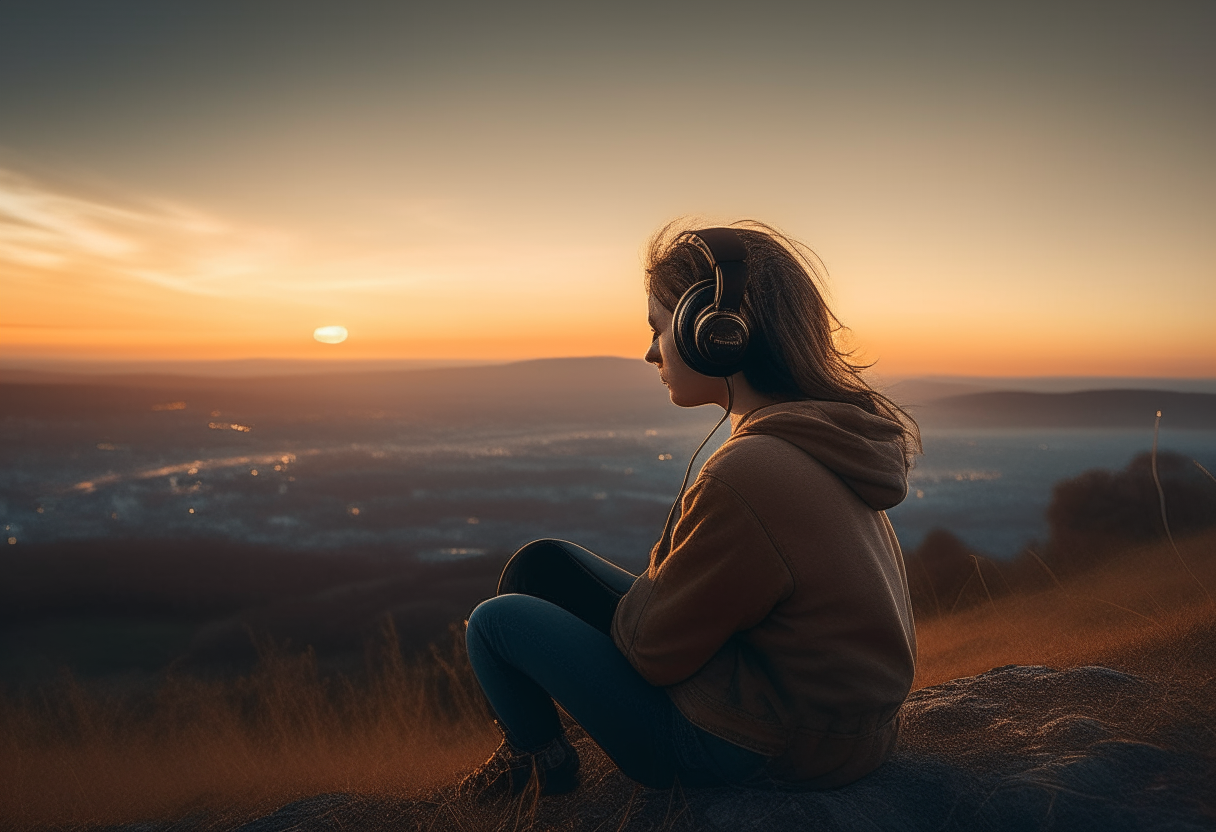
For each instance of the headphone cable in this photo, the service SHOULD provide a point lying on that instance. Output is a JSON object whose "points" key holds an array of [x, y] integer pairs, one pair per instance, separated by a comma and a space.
{"points": [[667, 526]]}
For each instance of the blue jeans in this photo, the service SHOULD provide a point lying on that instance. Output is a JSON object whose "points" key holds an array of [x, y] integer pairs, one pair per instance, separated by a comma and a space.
{"points": [[530, 651]]}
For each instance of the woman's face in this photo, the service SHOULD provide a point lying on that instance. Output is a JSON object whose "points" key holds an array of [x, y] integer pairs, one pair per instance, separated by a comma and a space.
{"points": [[687, 387]]}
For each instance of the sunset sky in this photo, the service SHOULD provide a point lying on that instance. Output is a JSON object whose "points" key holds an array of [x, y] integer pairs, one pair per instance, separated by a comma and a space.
{"points": [[1025, 191]]}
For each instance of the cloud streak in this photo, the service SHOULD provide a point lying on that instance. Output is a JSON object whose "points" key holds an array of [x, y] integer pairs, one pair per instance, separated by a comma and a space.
{"points": [[170, 246]]}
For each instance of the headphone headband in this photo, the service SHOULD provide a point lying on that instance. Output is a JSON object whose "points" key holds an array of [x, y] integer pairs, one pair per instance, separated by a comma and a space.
{"points": [[726, 255]]}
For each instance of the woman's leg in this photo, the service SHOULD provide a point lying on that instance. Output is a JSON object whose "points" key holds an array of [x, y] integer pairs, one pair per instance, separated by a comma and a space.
{"points": [[528, 653], [570, 576]]}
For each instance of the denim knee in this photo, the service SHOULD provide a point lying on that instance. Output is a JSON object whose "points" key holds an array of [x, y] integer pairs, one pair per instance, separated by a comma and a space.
{"points": [[487, 617]]}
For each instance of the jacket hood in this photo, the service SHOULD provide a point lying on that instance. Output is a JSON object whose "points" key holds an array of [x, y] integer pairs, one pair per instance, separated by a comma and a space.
{"points": [[862, 449]]}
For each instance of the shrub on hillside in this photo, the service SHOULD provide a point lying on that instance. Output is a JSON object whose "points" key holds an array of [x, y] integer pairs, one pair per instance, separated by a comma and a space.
{"points": [[945, 575], [1100, 512]]}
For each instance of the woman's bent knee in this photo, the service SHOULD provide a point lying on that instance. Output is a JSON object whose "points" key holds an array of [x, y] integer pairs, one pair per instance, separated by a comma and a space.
{"points": [[490, 614], [512, 616]]}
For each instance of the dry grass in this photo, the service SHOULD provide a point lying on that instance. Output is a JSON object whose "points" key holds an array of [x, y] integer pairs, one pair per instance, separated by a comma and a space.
{"points": [[229, 749], [1137, 613], [73, 757]]}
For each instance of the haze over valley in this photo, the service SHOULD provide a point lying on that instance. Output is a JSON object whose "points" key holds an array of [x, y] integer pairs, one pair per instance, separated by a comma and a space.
{"points": [[450, 462]]}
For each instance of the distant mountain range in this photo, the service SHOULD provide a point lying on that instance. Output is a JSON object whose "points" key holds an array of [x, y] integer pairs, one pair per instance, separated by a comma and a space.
{"points": [[228, 368], [922, 390], [571, 389], [553, 390], [1085, 409]]}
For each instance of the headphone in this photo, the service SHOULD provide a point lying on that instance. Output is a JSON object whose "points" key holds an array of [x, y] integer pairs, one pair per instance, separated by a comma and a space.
{"points": [[710, 331]]}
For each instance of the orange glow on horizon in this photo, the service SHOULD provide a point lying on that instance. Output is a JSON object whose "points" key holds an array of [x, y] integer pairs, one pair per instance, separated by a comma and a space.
{"points": [[101, 280], [891, 356], [988, 192]]}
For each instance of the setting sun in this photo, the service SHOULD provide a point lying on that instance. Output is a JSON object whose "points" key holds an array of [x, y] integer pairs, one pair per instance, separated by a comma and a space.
{"points": [[330, 334]]}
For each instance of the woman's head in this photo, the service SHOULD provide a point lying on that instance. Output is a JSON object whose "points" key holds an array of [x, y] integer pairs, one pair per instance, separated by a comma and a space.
{"points": [[793, 354]]}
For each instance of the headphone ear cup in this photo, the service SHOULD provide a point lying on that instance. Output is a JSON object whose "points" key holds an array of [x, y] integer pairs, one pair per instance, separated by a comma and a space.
{"points": [[722, 339], [698, 298]]}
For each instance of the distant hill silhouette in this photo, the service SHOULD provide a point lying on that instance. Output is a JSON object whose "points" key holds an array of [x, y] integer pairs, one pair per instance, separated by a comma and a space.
{"points": [[918, 391], [555, 388], [558, 388], [11, 368], [1087, 409]]}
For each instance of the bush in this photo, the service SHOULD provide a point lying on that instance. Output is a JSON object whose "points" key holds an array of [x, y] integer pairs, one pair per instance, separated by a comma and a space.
{"points": [[945, 575], [1099, 513]]}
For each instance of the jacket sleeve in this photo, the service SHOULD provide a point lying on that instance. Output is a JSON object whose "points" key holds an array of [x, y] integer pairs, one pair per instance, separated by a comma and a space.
{"points": [[724, 575]]}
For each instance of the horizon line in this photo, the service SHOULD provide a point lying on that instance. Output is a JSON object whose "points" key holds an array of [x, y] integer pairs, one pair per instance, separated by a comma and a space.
{"points": [[107, 366]]}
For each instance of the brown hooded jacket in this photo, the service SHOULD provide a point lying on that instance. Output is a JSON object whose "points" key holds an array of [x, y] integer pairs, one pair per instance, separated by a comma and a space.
{"points": [[780, 619]]}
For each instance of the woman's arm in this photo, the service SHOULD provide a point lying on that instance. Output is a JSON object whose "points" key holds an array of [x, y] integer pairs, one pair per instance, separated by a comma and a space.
{"points": [[724, 575]]}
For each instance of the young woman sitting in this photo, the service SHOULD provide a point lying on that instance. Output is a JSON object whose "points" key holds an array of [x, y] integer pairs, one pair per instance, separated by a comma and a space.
{"points": [[770, 639]]}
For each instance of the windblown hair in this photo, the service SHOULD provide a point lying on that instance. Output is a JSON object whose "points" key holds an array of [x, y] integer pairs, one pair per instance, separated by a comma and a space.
{"points": [[793, 353]]}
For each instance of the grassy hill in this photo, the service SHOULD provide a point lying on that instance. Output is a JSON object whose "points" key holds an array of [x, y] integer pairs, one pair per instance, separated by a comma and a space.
{"points": [[222, 751]]}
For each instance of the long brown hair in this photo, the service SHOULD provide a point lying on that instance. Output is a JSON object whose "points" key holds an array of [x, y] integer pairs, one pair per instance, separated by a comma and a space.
{"points": [[793, 353]]}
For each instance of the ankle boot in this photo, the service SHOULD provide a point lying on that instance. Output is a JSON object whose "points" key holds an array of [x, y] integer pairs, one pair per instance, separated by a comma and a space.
{"points": [[508, 771]]}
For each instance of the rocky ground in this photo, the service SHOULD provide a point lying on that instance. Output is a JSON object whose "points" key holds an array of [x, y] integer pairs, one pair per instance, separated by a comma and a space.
{"points": [[1016, 748]]}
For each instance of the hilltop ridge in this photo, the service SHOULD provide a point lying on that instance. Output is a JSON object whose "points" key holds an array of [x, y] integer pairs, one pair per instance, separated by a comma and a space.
{"points": [[578, 388], [1082, 409]]}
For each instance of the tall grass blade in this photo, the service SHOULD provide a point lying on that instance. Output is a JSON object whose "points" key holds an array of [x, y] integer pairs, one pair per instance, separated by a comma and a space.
{"points": [[1164, 520], [1204, 470]]}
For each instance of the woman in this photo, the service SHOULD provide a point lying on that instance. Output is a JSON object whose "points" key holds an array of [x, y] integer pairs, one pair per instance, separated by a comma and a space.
{"points": [[770, 639]]}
